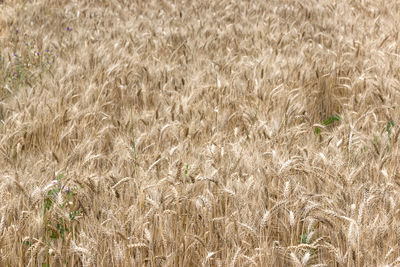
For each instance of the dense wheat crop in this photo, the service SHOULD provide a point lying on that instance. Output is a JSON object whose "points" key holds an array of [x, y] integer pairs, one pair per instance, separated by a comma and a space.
{"points": [[199, 133]]}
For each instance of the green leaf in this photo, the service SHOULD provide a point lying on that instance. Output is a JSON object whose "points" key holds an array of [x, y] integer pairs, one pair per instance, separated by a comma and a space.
{"points": [[60, 177], [389, 126], [26, 243], [303, 239], [331, 120], [47, 204], [327, 122], [53, 235], [187, 169]]}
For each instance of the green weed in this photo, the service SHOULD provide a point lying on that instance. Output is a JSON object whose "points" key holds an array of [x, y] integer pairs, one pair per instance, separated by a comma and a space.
{"points": [[327, 122]]}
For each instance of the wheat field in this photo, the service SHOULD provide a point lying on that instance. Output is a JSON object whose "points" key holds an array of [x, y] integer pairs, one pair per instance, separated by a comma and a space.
{"points": [[199, 133]]}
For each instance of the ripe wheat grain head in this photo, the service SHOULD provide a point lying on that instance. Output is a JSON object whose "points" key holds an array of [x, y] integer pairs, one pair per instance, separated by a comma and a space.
{"points": [[178, 133]]}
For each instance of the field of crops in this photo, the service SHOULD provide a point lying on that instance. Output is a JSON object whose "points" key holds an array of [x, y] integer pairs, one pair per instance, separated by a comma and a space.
{"points": [[199, 133]]}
